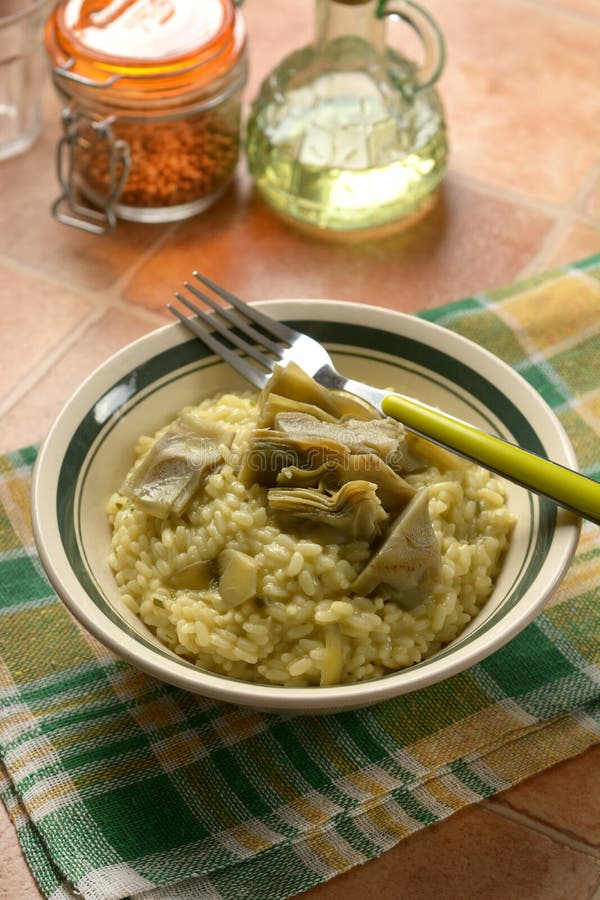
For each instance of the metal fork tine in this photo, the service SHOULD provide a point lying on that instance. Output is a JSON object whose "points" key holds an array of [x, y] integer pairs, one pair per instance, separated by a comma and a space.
{"points": [[236, 321], [281, 331], [214, 323], [245, 369]]}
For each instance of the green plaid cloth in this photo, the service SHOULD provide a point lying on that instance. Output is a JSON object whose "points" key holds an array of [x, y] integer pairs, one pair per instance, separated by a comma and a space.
{"points": [[119, 785]]}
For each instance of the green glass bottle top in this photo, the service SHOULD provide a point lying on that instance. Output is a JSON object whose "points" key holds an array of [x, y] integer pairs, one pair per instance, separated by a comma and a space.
{"points": [[346, 134]]}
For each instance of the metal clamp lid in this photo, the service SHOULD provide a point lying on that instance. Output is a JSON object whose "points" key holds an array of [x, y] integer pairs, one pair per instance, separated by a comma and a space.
{"points": [[100, 218], [63, 71]]}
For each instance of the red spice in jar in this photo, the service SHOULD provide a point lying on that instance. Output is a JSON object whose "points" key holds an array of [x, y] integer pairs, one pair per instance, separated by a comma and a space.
{"points": [[171, 163]]}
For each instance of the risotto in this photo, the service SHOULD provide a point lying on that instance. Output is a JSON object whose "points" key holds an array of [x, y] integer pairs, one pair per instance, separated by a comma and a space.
{"points": [[284, 569]]}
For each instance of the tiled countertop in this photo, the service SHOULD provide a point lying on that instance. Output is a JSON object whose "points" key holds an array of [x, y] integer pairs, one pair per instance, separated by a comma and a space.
{"points": [[522, 94]]}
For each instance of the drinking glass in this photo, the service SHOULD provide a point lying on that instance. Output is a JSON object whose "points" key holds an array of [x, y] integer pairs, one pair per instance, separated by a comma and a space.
{"points": [[22, 69]]}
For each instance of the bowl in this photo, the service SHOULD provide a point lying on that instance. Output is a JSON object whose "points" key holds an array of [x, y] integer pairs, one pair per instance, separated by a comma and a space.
{"points": [[89, 450]]}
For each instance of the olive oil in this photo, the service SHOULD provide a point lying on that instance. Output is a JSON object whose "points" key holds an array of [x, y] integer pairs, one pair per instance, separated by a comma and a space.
{"points": [[344, 168]]}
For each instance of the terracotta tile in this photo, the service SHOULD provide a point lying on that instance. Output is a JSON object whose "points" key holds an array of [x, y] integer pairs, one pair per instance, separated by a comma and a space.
{"points": [[566, 796], [16, 881], [472, 855], [515, 118], [580, 241], [29, 187], [586, 7], [592, 201], [272, 37], [471, 241], [30, 419], [37, 315]]}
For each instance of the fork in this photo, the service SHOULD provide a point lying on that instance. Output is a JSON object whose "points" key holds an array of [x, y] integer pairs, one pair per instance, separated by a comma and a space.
{"points": [[243, 327]]}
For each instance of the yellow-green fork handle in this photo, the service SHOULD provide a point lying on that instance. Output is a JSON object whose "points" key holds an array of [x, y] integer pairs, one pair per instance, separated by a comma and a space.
{"points": [[562, 485]]}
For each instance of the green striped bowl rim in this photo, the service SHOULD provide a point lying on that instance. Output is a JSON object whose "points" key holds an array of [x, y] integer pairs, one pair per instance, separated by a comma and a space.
{"points": [[473, 383]]}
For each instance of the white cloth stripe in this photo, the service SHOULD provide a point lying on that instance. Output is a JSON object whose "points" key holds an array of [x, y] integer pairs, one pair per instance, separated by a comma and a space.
{"points": [[57, 679], [311, 861], [190, 889], [110, 882], [233, 846], [496, 693], [399, 814], [482, 770], [585, 720], [27, 605], [352, 856]]}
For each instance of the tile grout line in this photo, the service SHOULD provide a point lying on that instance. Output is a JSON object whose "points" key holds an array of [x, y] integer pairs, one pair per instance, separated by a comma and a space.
{"points": [[143, 313], [110, 294], [37, 372], [554, 834], [554, 211], [143, 257], [541, 260], [503, 193], [86, 293], [566, 218]]}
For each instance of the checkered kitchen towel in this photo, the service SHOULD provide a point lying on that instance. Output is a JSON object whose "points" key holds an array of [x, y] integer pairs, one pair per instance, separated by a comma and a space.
{"points": [[118, 784]]}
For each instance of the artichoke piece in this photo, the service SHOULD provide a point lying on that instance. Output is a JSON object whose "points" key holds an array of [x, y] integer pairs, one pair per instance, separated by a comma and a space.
{"points": [[237, 582], [292, 381], [270, 451], [175, 466], [196, 576], [324, 477], [409, 554], [356, 407], [385, 437], [354, 511], [275, 403], [393, 491], [434, 455]]}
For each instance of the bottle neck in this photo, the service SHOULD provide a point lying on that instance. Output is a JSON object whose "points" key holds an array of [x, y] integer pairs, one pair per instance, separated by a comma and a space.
{"points": [[349, 18]]}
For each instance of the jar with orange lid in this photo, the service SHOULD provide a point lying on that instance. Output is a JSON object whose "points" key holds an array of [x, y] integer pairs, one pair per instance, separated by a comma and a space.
{"points": [[151, 125]]}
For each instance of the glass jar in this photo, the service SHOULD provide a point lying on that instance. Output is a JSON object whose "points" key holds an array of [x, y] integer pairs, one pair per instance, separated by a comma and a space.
{"points": [[151, 126], [347, 137]]}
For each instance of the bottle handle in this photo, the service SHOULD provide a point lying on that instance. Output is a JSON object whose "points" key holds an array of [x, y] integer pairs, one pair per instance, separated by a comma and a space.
{"points": [[431, 37]]}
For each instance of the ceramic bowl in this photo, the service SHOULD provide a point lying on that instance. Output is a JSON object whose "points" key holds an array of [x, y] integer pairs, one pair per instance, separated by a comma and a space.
{"points": [[89, 450]]}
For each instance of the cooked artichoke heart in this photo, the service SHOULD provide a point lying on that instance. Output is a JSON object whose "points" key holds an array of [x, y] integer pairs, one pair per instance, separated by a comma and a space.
{"points": [[393, 491], [434, 455], [385, 437], [409, 554], [270, 451], [237, 582], [293, 382], [196, 576], [273, 404], [354, 511], [173, 469]]}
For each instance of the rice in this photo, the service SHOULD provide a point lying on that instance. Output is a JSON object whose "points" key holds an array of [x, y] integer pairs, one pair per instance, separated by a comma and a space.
{"points": [[303, 626]]}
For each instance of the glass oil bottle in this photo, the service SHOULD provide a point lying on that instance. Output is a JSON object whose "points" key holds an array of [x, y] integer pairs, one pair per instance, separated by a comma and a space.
{"points": [[347, 136]]}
